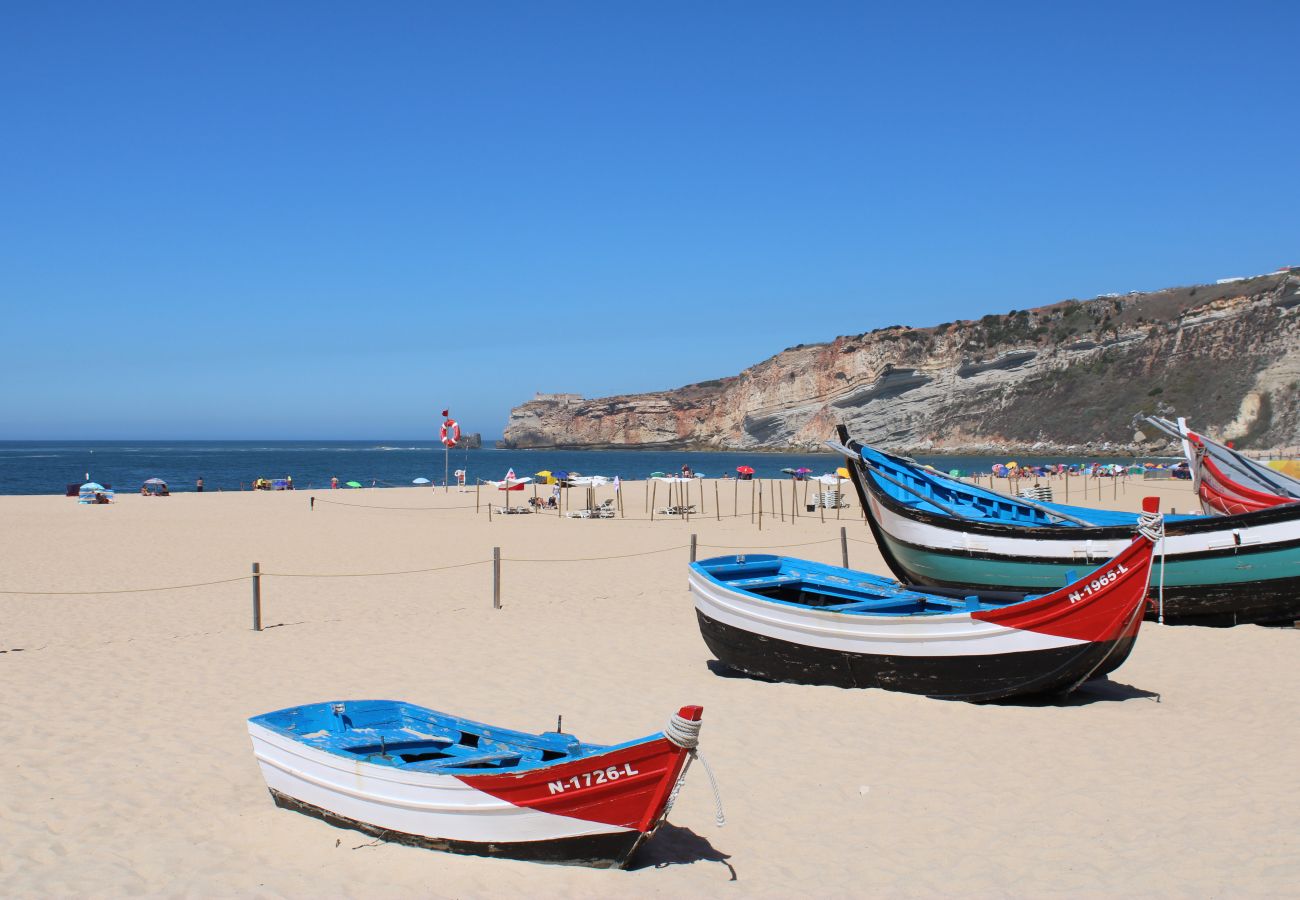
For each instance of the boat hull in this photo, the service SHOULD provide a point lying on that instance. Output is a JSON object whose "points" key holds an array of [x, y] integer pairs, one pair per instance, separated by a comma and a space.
{"points": [[1216, 570], [1042, 645], [599, 851], [593, 810], [1227, 584]]}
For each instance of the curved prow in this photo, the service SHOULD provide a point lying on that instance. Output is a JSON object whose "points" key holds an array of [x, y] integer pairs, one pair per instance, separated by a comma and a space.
{"points": [[1104, 605], [691, 713]]}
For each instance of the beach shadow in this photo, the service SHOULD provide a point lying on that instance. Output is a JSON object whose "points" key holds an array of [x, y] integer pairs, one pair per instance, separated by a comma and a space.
{"points": [[282, 625], [722, 670], [673, 845], [1099, 690]]}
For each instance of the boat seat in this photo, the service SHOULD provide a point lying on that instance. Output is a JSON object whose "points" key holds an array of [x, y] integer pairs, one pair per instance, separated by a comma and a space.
{"points": [[456, 762], [866, 605]]}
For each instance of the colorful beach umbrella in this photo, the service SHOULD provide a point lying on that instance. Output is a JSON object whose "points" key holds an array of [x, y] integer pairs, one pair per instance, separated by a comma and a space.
{"points": [[421, 481], [745, 470], [354, 484]]}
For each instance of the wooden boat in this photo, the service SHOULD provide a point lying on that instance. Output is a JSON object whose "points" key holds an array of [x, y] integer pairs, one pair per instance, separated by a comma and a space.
{"points": [[795, 620], [414, 776], [1226, 481], [939, 531]]}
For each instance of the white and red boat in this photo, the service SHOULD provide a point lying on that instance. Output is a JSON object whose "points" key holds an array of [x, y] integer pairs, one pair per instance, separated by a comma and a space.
{"points": [[415, 776], [1227, 482], [794, 620]]}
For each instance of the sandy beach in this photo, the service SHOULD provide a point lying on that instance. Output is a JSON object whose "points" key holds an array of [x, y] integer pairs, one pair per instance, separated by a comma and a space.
{"points": [[129, 770]]}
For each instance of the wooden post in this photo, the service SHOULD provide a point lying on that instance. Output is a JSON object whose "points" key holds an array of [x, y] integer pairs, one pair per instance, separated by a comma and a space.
{"points": [[844, 545], [821, 506], [618, 492], [1114, 486], [692, 548], [780, 501], [703, 510], [477, 481], [313, 504], [496, 577], [839, 500], [654, 489], [760, 504], [489, 510], [717, 506], [257, 597], [794, 500], [1067, 484], [686, 500]]}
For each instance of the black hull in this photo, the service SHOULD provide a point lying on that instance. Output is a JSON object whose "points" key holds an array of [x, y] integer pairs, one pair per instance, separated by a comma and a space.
{"points": [[1272, 602], [976, 679], [599, 851]]}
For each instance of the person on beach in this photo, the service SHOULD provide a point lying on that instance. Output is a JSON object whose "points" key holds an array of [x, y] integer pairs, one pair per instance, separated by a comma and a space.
{"points": [[334, 483], [288, 482], [198, 485]]}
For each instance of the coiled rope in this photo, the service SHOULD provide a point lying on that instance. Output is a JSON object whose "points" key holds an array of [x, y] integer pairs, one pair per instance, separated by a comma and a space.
{"points": [[686, 734], [1152, 527]]}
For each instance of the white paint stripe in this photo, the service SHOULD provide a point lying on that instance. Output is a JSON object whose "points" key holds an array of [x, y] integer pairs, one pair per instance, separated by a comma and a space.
{"points": [[430, 805], [954, 634]]}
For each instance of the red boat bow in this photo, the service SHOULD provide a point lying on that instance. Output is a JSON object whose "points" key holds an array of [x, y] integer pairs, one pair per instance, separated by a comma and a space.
{"points": [[1105, 605]]}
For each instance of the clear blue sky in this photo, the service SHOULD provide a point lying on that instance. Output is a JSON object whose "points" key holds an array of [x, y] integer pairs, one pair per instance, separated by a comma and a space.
{"points": [[329, 219]]}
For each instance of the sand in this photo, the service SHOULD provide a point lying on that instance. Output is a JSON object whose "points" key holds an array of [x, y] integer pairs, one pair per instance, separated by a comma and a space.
{"points": [[127, 767]]}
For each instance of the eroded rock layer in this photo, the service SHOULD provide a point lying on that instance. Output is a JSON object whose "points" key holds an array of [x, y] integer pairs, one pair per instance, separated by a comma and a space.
{"points": [[1063, 377]]}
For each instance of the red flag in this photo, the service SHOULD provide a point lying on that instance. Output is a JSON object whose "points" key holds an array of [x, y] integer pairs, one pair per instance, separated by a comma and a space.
{"points": [[446, 413]]}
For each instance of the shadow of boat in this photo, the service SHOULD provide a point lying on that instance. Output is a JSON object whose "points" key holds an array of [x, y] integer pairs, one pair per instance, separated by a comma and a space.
{"points": [[673, 845], [1098, 690]]}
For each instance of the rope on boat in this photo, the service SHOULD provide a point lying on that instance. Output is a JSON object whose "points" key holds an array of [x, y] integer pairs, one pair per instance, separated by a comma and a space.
{"points": [[1152, 527], [686, 734]]}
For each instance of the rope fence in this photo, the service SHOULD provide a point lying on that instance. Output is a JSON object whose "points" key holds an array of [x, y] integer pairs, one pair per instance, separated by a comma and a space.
{"points": [[256, 575]]}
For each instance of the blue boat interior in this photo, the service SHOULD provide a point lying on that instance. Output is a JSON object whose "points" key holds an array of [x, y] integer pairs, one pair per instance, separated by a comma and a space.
{"points": [[811, 585], [932, 491], [406, 736]]}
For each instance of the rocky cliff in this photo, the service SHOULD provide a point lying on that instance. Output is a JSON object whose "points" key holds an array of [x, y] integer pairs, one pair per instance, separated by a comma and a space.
{"points": [[1068, 376]]}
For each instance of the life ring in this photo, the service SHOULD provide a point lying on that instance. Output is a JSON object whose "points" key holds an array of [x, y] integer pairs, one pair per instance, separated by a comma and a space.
{"points": [[450, 433]]}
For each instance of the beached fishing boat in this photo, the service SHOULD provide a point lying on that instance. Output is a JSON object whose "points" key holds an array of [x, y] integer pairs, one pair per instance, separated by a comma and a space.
{"points": [[794, 620], [414, 776], [939, 531], [1228, 482]]}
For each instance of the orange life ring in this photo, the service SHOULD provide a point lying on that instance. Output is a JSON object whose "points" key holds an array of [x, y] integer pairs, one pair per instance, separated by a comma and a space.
{"points": [[450, 433]]}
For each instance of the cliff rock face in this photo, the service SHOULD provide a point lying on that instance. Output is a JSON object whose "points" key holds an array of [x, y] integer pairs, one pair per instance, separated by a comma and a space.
{"points": [[1060, 377]]}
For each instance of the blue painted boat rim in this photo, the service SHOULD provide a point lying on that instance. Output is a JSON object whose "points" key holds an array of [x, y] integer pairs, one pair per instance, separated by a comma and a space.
{"points": [[834, 581], [442, 743]]}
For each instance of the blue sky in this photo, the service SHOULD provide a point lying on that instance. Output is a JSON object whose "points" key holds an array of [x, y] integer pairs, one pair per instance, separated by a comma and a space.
{"points": [[332, 219]]}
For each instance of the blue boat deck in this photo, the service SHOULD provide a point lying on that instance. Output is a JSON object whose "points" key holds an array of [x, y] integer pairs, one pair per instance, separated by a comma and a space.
{"points": [[812, 585], [410, 737], [932, 491]]}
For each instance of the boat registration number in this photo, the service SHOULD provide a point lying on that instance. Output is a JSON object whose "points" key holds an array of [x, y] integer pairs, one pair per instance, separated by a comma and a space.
{"points": [[1098, 583], [587, 779]]}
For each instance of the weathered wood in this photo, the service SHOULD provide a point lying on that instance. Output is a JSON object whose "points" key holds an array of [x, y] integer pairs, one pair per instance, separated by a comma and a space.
{"points": [[844, 546], [257, 597], [692, 548], [496, 577]]}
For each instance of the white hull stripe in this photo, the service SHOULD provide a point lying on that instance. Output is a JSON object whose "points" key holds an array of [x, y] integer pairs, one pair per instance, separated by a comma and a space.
{"points": [[954, 634], [438, 806]]}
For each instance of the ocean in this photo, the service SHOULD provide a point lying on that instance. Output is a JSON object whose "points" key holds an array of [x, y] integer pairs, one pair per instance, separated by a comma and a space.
{"points": [[46, 467]]}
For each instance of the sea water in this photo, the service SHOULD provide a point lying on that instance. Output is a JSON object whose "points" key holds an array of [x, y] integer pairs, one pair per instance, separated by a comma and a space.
{"points": [[46, 467]]}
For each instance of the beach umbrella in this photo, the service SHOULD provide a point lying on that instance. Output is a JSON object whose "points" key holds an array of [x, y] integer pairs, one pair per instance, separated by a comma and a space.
{"points": [[92, 486], [658, 475], [745, 470], [421, 481], [842, 472], [155, 481], [354, 484], [803, 470], [545, 476], [789, 471]]}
